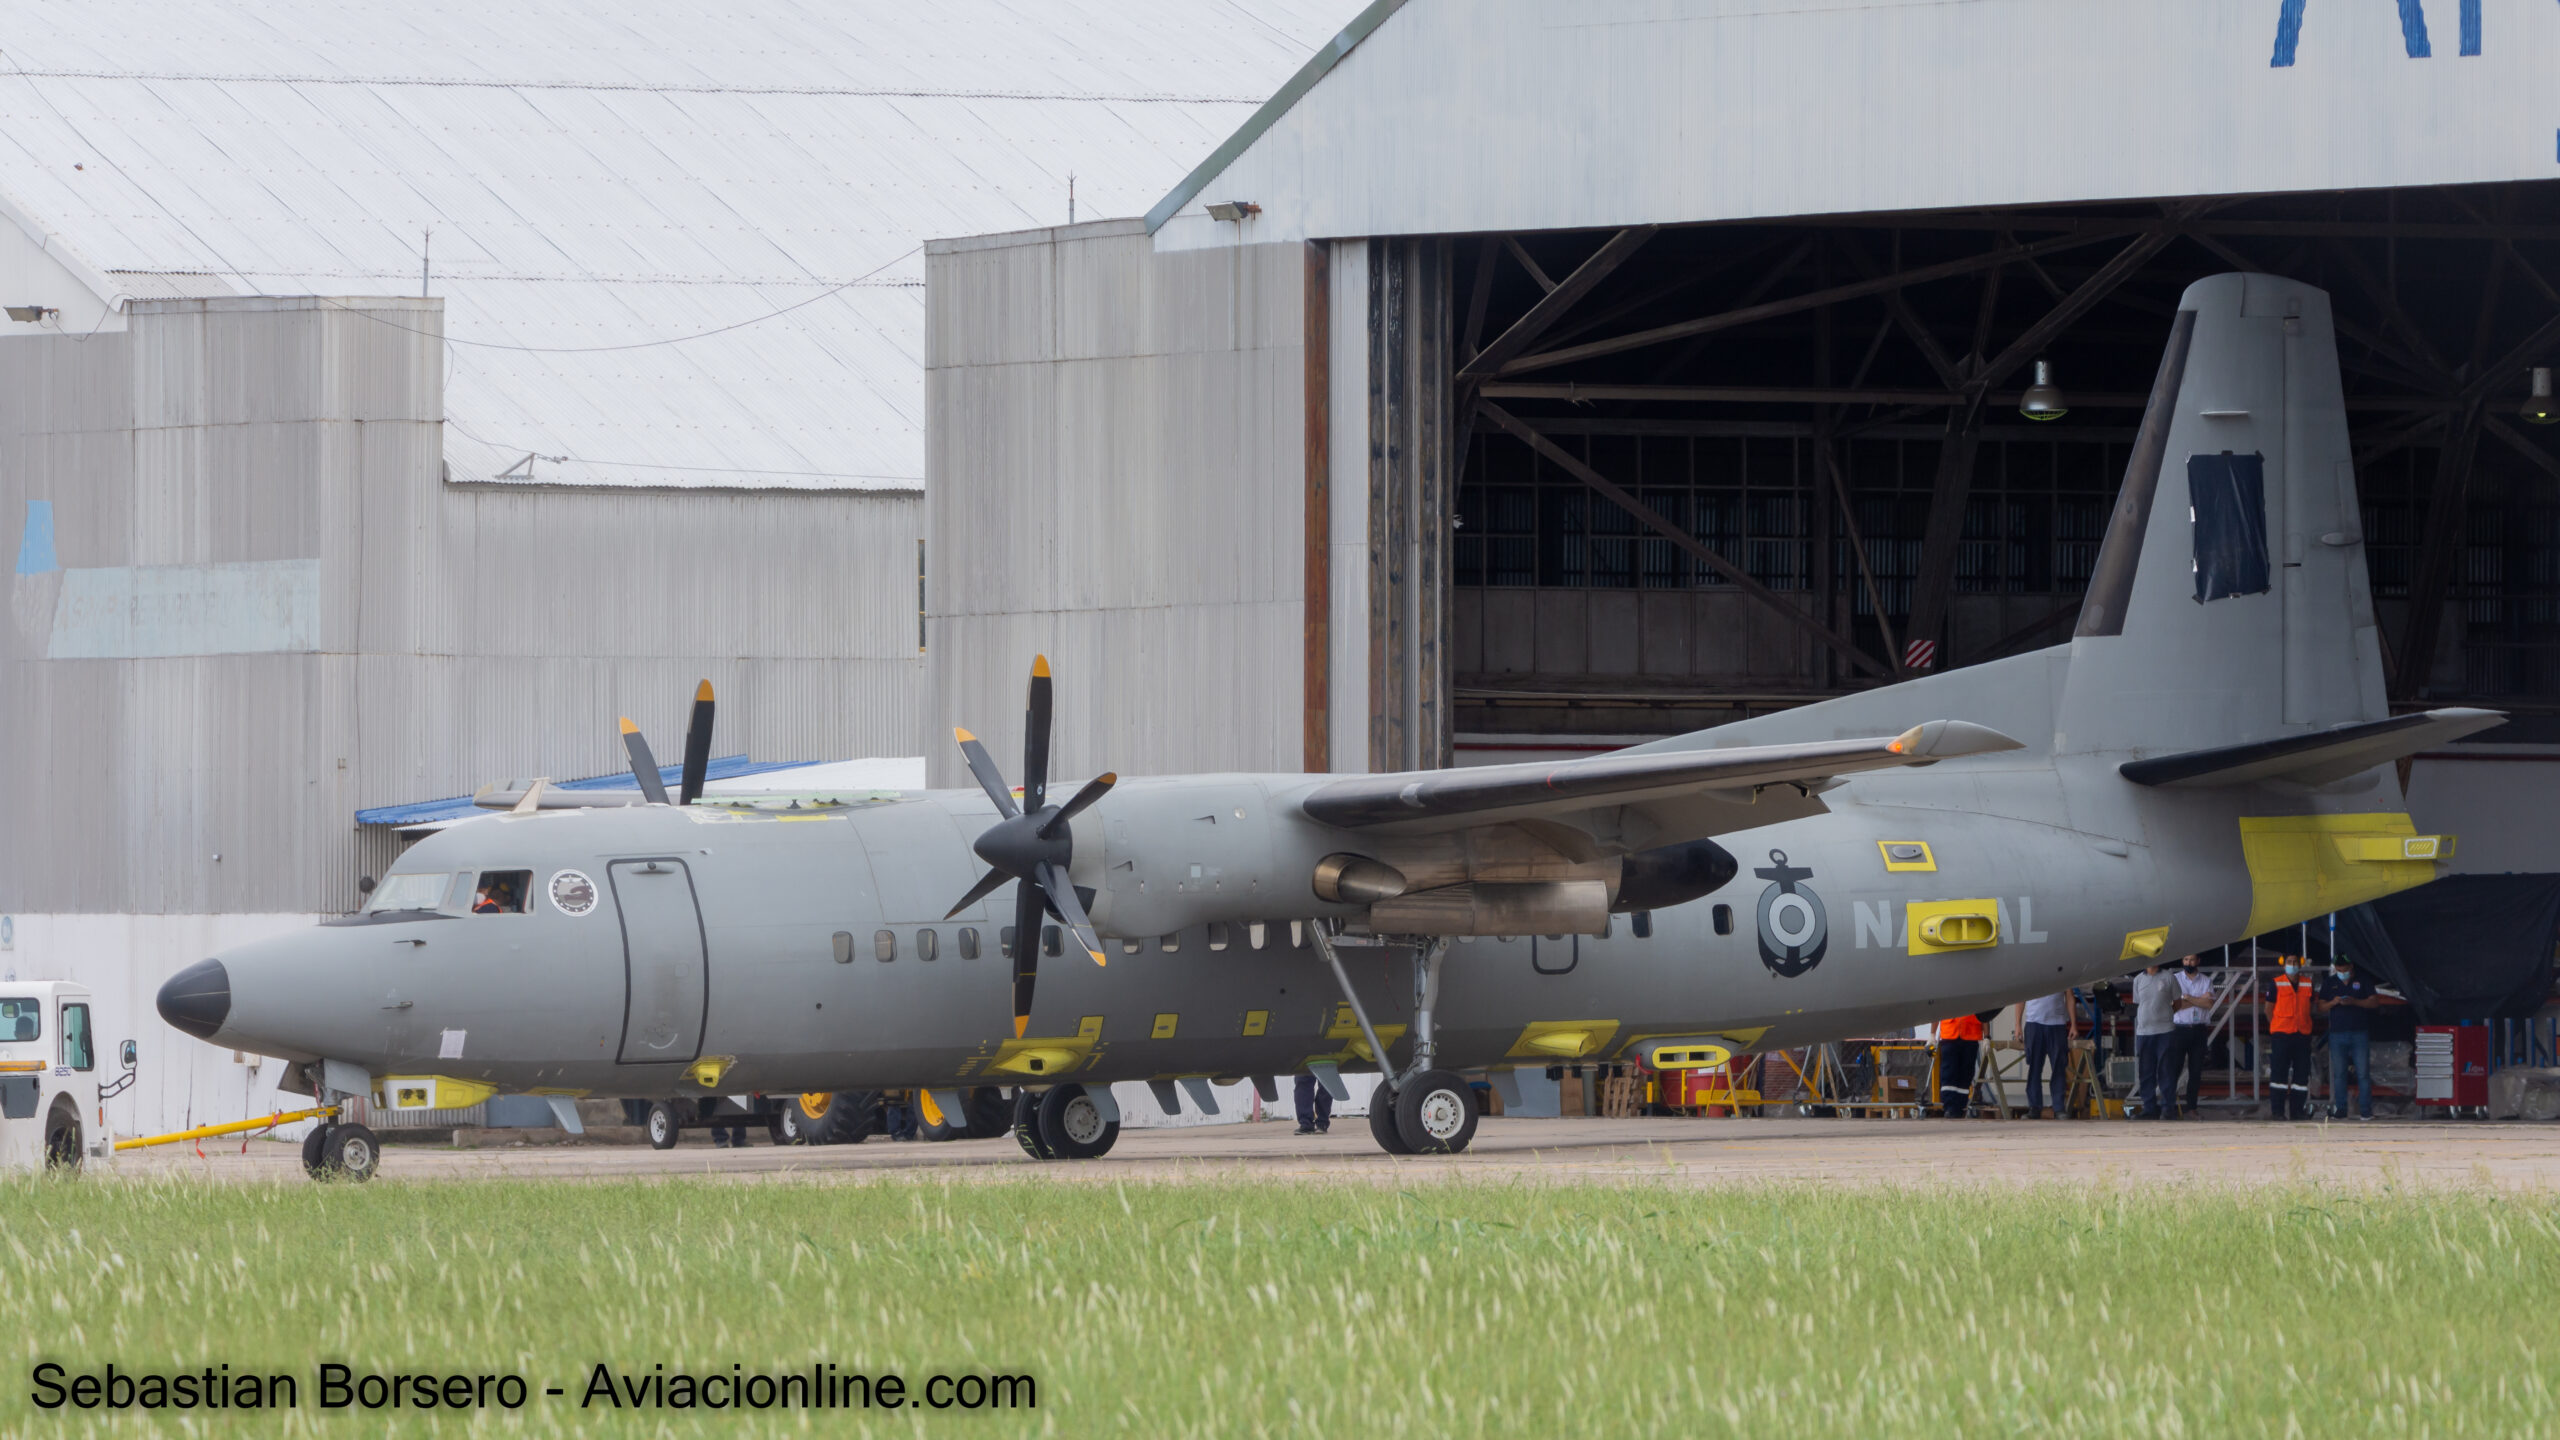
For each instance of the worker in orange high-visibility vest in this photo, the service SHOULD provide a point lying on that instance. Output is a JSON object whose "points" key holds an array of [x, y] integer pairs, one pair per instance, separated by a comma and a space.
{"points": [[2289, 998], [1959, 1051]]}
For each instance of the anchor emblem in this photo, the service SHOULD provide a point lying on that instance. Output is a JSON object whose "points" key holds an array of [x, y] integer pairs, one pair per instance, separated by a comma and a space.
{"points": [[1793, 930]]}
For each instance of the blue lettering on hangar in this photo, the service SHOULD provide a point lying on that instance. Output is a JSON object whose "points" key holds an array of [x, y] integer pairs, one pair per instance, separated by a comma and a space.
{"points": [[2413, 30]]}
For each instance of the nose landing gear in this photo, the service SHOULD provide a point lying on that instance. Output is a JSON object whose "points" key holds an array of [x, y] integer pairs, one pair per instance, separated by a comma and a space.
{"points": [[341, 1152]]}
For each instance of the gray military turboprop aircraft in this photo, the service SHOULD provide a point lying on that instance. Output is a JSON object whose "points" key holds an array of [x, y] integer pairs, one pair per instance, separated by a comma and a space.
{"points": [[2208, 758]]}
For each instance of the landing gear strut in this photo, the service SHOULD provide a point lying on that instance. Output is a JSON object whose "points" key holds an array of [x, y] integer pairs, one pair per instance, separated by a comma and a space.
{"points": [[1421, 1109]]}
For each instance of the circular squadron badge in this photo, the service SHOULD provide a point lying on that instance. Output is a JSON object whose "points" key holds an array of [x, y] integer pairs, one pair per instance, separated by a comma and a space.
{"points": [[572, 893], [1793, 930]]}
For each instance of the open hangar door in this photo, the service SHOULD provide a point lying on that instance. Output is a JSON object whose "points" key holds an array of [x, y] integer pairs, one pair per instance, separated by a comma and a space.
{"points": [[1693, 473]]}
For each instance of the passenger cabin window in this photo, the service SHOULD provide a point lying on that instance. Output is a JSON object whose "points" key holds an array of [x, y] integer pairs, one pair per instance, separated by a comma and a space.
{"points": [[501, 892], [1004, 942], [1724, 919], [1169, 944], [968, 943], [927, 946], [411, 892], [21, 1020], [884, 945], [1128, 947], [1217, 935], [1051, 944], [1257, 934], [76, 1051], [844, 947], [1642, 924]]}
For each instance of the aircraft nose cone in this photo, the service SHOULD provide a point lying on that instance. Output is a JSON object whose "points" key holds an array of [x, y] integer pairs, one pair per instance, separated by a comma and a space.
{"points": [[197, 999]]}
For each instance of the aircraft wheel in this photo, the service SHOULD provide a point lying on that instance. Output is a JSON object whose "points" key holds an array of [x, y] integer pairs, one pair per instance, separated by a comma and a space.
{"points": [[1072, 1127], [1026, 1125], [663, 1127], [314, 1147], [1382, 1121], [788, 1127], [351, 1153], [990, 1112], [62, 1137], [1436, 1113]]}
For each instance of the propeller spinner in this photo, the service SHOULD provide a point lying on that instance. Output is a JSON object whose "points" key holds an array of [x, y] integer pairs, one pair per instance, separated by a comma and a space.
{"points": [[1031, 845]]}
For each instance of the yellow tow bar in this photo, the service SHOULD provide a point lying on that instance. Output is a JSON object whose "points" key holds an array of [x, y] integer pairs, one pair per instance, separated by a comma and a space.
{"points": [[235, 1127]]}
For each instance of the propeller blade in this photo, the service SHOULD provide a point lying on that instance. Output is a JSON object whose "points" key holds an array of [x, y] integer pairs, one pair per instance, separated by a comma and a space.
{"points": [[986, 886], [1035, 738], [1028, 912], [1062, 894], [644, 766], [697, 746], [1094, 789], [983, 765]]}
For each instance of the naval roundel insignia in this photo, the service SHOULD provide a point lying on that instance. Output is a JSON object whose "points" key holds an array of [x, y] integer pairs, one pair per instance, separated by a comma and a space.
{"points": [[1793, 930]]}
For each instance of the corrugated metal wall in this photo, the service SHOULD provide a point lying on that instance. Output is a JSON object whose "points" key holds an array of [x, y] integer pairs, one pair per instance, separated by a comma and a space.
{"points": [[1115, 453], [463, 634]]}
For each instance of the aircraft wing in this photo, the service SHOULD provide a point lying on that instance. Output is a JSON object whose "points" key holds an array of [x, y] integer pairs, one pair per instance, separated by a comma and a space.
{"points": [[2314, 759], [1617, 803]]}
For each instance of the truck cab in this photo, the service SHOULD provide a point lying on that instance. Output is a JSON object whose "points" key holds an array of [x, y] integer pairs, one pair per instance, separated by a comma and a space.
{"points": [[51, 1111]]}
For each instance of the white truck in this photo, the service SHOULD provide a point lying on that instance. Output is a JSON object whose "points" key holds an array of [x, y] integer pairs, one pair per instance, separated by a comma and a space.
{"points": [[52, 1108]]}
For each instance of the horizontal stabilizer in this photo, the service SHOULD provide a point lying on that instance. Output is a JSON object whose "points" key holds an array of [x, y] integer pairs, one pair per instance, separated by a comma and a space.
{"points": [[1658, 781], [2315, 759]]}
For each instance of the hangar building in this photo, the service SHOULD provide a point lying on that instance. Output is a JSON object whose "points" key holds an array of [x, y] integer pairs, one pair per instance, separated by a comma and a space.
{"points": [[391, 397], [1523, 378]]}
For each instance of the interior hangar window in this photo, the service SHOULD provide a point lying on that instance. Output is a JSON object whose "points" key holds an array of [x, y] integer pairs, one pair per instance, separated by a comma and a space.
{"points": [[501, 892]]}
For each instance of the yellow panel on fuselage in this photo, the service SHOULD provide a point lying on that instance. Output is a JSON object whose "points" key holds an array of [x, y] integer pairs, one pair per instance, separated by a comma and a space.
{"points": [[2306, 865]]}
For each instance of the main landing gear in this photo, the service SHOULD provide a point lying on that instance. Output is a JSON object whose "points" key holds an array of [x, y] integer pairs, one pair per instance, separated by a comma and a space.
{"points": [[1066, 1122], [1421, 1109]]}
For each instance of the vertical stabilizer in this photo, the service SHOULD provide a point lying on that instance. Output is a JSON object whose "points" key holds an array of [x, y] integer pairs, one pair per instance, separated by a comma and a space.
{"points": [[2230, 602]]}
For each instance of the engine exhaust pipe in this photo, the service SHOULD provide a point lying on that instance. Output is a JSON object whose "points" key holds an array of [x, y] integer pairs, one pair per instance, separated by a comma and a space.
{"points": [[1356, 880]]}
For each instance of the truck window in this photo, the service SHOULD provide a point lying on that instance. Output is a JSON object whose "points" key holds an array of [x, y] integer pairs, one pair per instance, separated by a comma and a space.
{"points": [[21, 1020], [76, 1050]]}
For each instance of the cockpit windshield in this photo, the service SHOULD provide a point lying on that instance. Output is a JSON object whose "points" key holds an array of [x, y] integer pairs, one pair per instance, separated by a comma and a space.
{"points": [[411, 892]]}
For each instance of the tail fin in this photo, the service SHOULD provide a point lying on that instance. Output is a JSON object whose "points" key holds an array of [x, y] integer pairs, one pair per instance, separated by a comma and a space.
{"points": [[2230, 603]]}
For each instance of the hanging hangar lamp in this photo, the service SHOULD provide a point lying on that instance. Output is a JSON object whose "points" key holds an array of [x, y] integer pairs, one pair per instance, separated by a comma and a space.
{"points": [[2043, 400]]}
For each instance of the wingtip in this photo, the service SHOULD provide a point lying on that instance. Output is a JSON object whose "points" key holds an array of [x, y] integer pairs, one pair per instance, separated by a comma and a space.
{"points": [[702, 692], [1039, 667]]}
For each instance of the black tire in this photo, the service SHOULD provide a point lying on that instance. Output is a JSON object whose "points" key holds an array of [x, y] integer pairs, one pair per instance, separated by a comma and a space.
{"points": [[1026, 1125], [852, 1117], [1436, 1113], [663, 1125], [62, 1137], [947, 1127], [351, 1153], [990, 1112], [314, 1146], [774, 1130], [1072, 1127], [1382, 1121], [788, 1126]]}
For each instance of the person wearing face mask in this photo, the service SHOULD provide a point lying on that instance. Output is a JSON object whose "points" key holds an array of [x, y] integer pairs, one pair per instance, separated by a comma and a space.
{"points": [[2187, 1030], [2289, 998], [2155, 998], [2349, 1002]]}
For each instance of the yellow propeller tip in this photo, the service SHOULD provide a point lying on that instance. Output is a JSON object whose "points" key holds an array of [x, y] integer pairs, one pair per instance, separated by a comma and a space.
{"points": [[1021, 1026], [1097, 957], [702, 691], [1109, 777], [628, 728], [961, 734], [1040, 667]]}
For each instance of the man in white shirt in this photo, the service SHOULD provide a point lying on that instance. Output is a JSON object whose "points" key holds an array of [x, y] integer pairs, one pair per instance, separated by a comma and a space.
{"points": [[2195, 1006], [2155, 998], [2048, 1021]]}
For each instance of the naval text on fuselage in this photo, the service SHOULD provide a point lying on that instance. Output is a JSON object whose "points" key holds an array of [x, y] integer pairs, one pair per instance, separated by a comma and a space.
{"points": [[334, 1386]]}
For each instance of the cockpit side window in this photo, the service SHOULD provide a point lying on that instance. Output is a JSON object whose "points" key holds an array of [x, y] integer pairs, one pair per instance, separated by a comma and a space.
{"points": [[411, 892], [501, 892]]}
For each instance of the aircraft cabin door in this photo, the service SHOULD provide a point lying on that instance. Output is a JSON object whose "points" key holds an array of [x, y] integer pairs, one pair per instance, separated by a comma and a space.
{"points": [[665, 977]]}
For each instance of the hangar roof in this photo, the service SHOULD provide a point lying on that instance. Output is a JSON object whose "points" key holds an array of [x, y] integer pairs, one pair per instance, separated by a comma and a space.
{"points": [[588, 182], [1512, 115]]}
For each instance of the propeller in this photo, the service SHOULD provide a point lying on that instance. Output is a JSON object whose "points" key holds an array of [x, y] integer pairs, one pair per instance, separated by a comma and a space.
{"points": [[1031, 846], [697, 754]]}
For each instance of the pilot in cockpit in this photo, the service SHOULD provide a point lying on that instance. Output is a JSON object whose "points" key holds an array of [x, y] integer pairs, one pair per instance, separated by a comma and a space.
{"points": [[497, 896]]}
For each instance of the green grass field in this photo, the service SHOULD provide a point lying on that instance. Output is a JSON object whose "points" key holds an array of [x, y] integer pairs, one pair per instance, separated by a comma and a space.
{"points": [[1297, 1309]]}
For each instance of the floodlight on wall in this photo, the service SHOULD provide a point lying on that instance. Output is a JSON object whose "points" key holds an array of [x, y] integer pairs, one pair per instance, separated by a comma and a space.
{"points": [[2538, 406], [2043, 400], [30, 314], [1233, 209]]}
